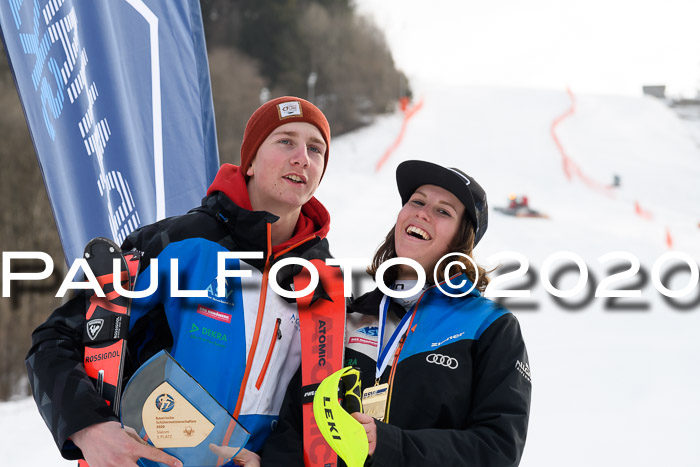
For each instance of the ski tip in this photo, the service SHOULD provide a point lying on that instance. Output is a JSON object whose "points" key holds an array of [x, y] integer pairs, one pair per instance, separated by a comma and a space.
{"points": [[100, 245]]}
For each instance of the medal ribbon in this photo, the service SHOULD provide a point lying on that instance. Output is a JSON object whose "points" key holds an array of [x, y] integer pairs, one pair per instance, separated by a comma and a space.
{"points": [[385, 354]]}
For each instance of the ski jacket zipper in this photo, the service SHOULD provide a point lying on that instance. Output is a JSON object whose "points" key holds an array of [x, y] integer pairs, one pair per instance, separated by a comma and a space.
{"points": [[258, 324], [253, 345], [276, 335], [258, 327]]}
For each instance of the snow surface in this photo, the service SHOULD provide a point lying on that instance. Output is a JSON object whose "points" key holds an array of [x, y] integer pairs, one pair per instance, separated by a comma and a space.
{"points": [[610, 387]]}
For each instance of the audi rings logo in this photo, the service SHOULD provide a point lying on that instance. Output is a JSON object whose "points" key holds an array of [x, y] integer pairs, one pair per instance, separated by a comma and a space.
{"points": [[443, 360]]}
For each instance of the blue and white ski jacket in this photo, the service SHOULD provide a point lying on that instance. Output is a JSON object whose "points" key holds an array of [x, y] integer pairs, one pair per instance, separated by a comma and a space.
{"points": [[241, 344]]}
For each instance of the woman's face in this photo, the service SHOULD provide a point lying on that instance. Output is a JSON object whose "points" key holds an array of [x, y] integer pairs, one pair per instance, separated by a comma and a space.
{"points": [[426, 227]]}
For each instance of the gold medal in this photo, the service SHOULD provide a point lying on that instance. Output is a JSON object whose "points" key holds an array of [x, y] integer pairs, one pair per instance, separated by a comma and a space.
{"points": [[374, 401]]}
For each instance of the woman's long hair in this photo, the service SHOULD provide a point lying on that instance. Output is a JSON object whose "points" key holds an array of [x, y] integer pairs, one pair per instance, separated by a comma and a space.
{"points": [[462, 243]]}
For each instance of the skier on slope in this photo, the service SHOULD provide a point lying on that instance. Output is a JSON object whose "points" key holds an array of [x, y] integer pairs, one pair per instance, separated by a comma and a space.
{"points": [[265, 205]]}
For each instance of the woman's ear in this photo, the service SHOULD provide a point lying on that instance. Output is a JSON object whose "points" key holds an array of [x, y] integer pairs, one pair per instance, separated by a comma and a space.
{"points": [[250, 170]]}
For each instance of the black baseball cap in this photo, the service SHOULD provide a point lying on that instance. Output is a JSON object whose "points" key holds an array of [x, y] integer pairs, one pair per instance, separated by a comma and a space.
{"points": [[412, 174]]}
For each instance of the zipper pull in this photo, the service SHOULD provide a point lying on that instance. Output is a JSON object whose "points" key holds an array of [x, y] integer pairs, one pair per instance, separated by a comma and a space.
{"points": [[279, 328]]}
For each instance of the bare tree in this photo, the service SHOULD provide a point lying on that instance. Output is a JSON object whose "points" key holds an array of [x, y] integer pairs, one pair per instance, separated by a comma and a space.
{"points": [[236, 86], [26, 224]]}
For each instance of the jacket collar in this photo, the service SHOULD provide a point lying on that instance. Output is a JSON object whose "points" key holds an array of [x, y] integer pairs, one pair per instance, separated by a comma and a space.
{"points": [[368, 304], [314, 219]]}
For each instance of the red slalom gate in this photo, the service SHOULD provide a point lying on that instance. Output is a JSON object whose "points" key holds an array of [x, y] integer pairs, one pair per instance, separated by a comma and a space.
{"points": [[408, 113]]}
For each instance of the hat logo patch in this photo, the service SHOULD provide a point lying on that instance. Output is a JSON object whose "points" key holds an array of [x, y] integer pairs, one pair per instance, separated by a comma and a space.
{"points": [[289, 109]]}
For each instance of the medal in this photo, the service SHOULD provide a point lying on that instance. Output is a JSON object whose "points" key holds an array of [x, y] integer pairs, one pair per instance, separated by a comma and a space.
{"points": [[374, 401]]}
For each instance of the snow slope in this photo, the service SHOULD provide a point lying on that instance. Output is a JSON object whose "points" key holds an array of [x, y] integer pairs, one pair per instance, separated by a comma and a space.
{"points": [[611, 387]]}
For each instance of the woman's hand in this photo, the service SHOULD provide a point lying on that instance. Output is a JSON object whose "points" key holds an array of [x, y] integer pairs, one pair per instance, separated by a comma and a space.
{"points": [[107, 444], [370, 428]]}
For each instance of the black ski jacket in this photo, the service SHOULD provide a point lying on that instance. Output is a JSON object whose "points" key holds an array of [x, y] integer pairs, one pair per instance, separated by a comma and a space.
{"points": [[459, 394], [65, 395]]}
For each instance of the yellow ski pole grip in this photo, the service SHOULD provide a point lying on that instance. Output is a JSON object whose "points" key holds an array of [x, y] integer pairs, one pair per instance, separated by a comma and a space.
{"points": [[345, 435]]}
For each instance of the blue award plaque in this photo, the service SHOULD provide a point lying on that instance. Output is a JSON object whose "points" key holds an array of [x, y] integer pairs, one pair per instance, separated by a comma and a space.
{"points": [[168, 408]]}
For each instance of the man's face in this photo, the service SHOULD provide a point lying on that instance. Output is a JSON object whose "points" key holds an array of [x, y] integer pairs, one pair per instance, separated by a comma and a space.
{"points": [[287, 168]]}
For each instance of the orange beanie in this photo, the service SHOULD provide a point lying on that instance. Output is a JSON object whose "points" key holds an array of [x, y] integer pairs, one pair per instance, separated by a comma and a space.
{"points": [[275, 113]]}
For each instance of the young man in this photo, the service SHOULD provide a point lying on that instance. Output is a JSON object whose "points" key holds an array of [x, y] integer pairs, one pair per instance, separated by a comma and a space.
{"points": [[243, 345]]}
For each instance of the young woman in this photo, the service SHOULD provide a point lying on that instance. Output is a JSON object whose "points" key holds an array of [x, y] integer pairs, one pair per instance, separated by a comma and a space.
{"points": [[447, 368]]}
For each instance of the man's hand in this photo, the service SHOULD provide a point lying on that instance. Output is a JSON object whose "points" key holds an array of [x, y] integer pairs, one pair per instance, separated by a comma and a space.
{"points": [[245, 457], [370, 428], [108, 445]]}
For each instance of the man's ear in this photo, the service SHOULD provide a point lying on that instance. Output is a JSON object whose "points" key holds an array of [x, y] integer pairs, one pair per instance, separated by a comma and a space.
{"points": [[250, 170]]}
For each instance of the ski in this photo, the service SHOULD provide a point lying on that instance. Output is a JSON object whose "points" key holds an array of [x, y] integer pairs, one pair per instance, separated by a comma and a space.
{"points": [[322, 318], [107, 318]]}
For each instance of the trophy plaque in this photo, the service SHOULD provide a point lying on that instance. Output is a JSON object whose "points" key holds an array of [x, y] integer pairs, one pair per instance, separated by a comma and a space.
{"points": [[168, 408]]}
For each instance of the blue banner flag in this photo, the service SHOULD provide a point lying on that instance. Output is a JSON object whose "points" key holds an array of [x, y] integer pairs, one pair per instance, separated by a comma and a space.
{"points": [[117, 97]]}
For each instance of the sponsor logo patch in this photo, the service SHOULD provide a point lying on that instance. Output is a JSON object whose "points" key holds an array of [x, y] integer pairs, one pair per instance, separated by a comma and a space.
{"points": [[442, 360], [362, 340], [102, 356], [289, 109], [438, 344], [208, 336], [117, 327], [294, 320], [524, 369], [321, 343], [226, 295], [93, 328], [372, 331], [217, 315]]}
